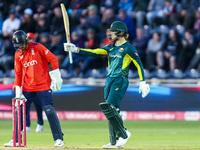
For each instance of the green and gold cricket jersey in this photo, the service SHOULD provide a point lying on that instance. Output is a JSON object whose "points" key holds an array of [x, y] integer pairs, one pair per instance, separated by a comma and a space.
{"points": [[119, 59]]}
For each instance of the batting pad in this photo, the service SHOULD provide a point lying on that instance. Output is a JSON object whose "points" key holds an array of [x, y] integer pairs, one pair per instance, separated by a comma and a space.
{"points": [[112, 133], [115, 119], [54, 122]]}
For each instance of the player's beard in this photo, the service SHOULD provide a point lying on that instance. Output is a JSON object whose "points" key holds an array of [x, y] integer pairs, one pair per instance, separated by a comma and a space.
{"points": [[23, 47]]}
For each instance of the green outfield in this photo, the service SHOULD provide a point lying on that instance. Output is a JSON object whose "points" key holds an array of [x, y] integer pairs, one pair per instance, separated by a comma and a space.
{"points": [[146, 135]]}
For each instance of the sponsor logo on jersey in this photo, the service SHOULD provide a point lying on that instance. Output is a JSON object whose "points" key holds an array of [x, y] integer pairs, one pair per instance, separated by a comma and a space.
{"points": [[115, 56], [31, 63], [32, 51], [46, 52], [121, 50]]}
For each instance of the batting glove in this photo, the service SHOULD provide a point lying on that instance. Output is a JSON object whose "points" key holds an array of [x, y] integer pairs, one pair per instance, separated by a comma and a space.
{"points": [[144, 88], [19, 96], [56, 80], [21, 100], [70, 47]]}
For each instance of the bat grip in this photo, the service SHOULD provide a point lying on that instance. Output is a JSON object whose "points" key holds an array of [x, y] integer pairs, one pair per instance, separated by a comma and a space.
{"points": [[70, 57]]}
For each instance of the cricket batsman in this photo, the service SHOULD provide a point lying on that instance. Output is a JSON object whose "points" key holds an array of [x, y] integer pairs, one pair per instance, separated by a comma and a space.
{"points": [[120, 55], [34, 80], [37, 102]]}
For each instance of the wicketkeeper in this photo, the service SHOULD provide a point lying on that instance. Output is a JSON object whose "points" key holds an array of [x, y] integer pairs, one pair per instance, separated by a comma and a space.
{"points": [[33, 80], [120, 55]]}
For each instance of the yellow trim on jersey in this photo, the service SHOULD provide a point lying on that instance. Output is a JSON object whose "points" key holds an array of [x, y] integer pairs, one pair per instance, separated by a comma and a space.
{"points": [[137, 65], [96, 51], [122, 43], [111, 49], [126, 61]]}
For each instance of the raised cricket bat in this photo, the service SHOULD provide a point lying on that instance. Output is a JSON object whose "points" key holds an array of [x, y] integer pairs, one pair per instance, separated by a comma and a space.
{"points": [[67, 32]]}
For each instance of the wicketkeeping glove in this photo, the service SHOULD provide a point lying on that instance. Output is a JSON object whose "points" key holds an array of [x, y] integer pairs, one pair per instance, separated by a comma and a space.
{"points": [[70, 47], [144, 88], [57, 81]]}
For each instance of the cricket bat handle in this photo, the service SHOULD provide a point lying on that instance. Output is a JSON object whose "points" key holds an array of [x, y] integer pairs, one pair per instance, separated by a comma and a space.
{"points": [[70, 57], [70, 53]]}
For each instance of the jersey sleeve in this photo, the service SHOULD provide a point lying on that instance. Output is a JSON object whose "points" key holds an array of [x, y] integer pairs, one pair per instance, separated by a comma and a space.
{"points": [[133, 55], [95, 52], [18, 71], [50, 57]]}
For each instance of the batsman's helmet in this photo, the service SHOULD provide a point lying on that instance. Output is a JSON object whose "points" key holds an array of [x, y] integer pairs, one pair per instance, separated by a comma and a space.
{"points": [[118, 26], [19, 38]]}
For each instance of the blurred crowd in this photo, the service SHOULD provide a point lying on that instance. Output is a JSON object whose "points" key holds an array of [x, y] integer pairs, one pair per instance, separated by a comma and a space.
{"points": [[166, 33]]}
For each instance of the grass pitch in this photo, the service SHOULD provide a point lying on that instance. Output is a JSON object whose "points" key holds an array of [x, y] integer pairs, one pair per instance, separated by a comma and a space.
{"points": [[86, 135]]}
